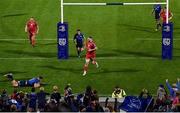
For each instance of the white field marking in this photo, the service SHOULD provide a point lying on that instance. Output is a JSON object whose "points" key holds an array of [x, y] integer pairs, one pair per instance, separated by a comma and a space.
{"points": [[153, 39], [73, 59], [84, 4], [106, 4], [145, 39], [8, 39], [145, 3]]}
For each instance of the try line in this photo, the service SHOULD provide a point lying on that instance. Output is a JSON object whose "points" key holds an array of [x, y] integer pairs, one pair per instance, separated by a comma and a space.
{"points": [[74, 59], [8, 39], [144, 39]]}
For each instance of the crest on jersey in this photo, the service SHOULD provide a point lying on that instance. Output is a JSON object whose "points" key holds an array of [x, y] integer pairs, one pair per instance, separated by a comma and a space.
{"points": [[62, 41], [62, 28], [166, 41]]}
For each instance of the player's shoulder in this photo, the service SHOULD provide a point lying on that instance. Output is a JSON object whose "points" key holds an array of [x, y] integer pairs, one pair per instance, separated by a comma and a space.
{"points": [[75, 35]]}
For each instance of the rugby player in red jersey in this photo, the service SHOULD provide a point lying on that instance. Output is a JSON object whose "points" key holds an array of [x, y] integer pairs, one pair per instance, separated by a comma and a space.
{"points": [[90, 54], [32, 28], [163, 15]]}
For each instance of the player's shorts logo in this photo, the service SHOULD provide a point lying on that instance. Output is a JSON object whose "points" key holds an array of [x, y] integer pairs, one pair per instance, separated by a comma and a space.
{"points": [[166, 28], [62, 41], [166, 41], [62, 28]]}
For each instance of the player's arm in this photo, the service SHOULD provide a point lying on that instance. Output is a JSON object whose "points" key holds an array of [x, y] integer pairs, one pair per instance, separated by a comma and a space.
{"points": [[170, 16], [26, 28], [37, 28], [152, 12], [178, 83], [95, 48], [84, 42], [74, 39], [161, 15]]}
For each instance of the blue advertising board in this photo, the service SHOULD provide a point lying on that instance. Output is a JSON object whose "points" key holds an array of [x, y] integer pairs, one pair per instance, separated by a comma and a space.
{"points": [[167, 41], [62, 35]]}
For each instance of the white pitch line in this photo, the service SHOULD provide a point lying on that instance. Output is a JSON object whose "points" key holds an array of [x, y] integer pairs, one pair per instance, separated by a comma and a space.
{"points": [[145, 39], [153, 39], [23, 39], [148, 39], [26, 39], [99, 58]]}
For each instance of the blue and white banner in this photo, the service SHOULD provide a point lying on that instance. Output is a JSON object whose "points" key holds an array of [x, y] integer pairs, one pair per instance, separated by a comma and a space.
{"points": [[135, 104], [167, 41], [62, 32]]}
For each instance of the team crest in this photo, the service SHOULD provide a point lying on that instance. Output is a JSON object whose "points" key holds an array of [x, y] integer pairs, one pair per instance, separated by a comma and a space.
{"points": [[62, 41], [166, 41]]}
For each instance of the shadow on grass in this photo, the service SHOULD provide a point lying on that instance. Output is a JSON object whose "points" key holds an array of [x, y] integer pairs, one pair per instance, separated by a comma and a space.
{"points": [[33, 54], [126, 53], [11, 15], [47, 44], [108, 71], [9, 42], [3, 81], [136, 53], [67, 69], [138, 28], [101, 71], [14, 72]]}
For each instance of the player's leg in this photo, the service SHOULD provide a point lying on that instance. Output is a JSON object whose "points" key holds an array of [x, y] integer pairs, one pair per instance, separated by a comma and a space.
{"points": [[33, 41], [9, 76], [95, 62], [79, 51], [158, 24], [30, 36], [86, 66], [77, 48]]}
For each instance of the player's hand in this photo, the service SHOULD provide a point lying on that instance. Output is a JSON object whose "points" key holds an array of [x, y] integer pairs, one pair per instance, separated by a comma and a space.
{"points": [[166, 80], [25, 30], [90, 50], [82, 49]]}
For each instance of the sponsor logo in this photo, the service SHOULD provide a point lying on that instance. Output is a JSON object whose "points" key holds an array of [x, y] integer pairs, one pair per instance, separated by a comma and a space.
{"points": [[166, 28], [62, 28]]}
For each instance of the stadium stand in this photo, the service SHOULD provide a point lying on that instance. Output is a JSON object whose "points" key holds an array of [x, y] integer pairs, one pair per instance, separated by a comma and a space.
{"points": [[89, 101]]}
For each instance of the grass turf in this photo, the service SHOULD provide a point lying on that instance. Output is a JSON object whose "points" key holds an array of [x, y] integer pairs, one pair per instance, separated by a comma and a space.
{"points": [[121, 32]]}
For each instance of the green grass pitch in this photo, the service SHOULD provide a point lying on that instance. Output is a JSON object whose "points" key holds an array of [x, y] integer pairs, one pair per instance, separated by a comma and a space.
{"points": [[129, 51]]}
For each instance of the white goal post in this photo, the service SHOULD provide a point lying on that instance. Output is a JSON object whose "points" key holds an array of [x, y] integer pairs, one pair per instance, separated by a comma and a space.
{"points": [[167, 27], [112, 3]]}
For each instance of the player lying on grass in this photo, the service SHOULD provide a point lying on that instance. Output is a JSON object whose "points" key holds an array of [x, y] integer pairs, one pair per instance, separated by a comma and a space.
{"points": [[156, 11], [163, 15], [32, 28], [90, 54], [34, 82], [79, 41]]}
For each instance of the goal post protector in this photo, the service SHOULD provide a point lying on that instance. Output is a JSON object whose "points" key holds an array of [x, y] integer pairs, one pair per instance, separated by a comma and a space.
{"points": [[167, 28]]}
